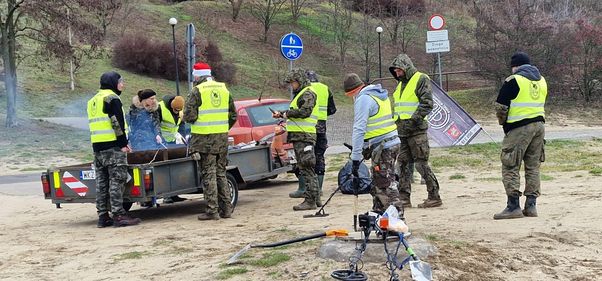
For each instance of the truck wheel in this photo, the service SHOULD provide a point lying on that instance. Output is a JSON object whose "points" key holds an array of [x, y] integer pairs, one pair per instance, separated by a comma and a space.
{"points": [[233, 186], [127, 206]]}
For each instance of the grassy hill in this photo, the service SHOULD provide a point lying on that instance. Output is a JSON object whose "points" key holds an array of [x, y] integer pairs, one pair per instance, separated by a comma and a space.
{"points": [[44, 89]]}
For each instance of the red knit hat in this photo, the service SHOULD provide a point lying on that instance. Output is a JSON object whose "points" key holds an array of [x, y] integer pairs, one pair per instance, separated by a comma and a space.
{"points": [[201, 69]]}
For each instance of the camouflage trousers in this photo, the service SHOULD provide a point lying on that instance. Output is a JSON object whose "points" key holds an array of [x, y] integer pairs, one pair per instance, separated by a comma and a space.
{"points": [[320, 149], [215, 184], [111, 171], [523, 144], [384, 185], [306, 162], [416, 149]]}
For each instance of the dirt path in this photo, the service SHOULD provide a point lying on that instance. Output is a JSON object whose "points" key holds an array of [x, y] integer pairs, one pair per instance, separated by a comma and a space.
{"points": [[39, 242]]}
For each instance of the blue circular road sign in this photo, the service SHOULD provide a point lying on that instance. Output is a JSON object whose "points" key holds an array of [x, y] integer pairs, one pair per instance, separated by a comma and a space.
{"points": [[291, 46]]}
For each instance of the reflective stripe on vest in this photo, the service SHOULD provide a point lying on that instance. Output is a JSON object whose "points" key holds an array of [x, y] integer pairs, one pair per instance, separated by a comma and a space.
{"points": [[303, 125], [530, 101], [101, 129], [321, 92], [382, 122], [169, 128], [214, 110], [406, 102]]}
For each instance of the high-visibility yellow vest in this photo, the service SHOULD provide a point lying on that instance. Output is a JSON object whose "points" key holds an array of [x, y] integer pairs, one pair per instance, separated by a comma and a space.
{"points": [[406, 102], [101, 129], [213, 112], [530, 101], [382, 122], [169, 126], [303, 125], [321, 92]]}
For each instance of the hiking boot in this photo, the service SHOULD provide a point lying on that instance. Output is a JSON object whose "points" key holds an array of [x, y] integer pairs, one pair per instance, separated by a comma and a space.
{"points": [[299, 193], [104, 220], [225, 214], [307, 204], [530, 210], [124, 220], [512, 210], [430, 203], [208, 216]]}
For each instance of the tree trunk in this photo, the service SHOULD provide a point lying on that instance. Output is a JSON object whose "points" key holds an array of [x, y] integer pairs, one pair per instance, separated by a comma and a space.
{"points": [[10, 74]]}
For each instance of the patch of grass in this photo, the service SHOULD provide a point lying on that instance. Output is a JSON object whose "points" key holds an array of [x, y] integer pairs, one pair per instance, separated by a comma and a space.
{"points": [[271, 259], [457, 177], [459, 244], [432, 237], [130, 255], [179, 250], [230, 272], [597, 171], [545, 177], [578, 176]]}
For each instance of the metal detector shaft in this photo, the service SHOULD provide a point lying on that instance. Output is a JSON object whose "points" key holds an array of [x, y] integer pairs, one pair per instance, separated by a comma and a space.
{"points": [[321, 212]]}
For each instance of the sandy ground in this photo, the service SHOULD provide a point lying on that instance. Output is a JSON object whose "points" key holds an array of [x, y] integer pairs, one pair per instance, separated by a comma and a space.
{"points": [[40, 242]]}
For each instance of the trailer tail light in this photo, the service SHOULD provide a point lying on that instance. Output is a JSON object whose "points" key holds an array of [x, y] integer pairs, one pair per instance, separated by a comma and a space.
{"points": [[45, 184], [136, 188], [148, 180], [58, 191]]}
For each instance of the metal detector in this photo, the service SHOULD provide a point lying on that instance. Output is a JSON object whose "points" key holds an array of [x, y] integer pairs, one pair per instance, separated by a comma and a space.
{"points": [[321, 213]]}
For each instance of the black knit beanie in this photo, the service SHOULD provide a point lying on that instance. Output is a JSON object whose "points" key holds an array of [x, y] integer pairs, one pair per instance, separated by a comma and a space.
{"points": [[519, 58]]}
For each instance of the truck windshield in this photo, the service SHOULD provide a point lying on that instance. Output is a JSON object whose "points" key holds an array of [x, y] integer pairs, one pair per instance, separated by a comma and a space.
{"points": [[261, 115]]}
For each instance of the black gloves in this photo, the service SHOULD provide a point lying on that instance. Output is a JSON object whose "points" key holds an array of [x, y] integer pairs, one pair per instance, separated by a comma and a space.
{"points": [[355, 168]]}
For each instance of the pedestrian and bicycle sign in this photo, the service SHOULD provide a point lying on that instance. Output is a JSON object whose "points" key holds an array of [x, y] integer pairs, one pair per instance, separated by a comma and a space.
{"points": [[291, 46]]}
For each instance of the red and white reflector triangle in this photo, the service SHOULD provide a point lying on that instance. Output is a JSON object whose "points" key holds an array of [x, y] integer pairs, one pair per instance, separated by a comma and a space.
{"points": [[74, 184]]}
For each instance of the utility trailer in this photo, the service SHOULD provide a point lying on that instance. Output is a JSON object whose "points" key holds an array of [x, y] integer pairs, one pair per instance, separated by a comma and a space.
{"points": [[156, 174]]}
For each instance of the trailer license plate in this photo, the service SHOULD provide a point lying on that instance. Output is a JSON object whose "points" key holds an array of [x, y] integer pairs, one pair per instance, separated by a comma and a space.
{"points": [[291, 156], [88, 175]]}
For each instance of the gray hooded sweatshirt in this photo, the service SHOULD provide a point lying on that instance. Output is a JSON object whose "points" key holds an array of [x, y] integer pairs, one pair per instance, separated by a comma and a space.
{"points": [[364, 107]]}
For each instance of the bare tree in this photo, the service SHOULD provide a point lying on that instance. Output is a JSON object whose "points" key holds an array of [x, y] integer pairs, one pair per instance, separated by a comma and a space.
{"points": [[397, 19], [236, 5], [366, 32], [44, 22], [296, 6], [341, 20], [265, 11]]}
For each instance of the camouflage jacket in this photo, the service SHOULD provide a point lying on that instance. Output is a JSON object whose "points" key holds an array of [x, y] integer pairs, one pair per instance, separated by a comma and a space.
{"points": [[417, 124], [212, 143], [305, 105]]}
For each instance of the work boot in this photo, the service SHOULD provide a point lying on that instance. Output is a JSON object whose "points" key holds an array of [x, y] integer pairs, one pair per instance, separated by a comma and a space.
{"points": [[299, 193], [208, 216], [512, 210], [307, 204], [124, 220], [225, 214], [530, 210], [320, 182], [104, 220], [431, 203]]}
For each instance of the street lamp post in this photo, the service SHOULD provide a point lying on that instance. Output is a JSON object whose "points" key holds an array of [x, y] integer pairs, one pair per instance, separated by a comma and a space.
{"points": [[379, 30], [173, 22]]}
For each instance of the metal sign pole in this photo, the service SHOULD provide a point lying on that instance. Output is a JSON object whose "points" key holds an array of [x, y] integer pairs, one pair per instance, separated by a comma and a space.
{"points": [[439, 63], [290, 87], [191, 54]]}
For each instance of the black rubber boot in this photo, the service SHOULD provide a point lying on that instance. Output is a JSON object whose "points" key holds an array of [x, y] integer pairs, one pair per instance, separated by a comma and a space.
{"points": [[318, 198], [530, 209], [512, 210], [125, 220]]}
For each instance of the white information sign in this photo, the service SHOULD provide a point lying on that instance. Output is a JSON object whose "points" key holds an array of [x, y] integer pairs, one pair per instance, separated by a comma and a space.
{"points": [[437, 35], [437, 47]]}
